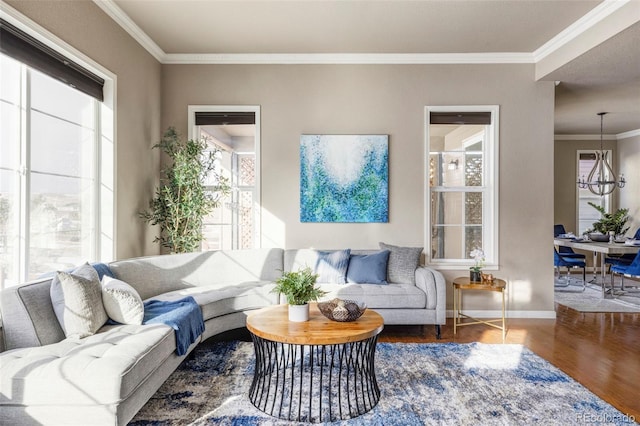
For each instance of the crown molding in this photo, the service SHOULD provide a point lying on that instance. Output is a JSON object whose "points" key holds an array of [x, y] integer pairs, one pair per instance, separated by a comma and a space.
{"points": [[113, 10], [350, 58], [629, 134], [595, 15], [616, 137]]}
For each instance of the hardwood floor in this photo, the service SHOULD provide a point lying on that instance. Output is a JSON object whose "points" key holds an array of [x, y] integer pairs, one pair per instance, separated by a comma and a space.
{"points": [[599, 350]]}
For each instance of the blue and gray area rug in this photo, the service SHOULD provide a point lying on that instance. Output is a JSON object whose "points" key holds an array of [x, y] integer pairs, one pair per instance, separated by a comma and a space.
{"points": [[421, 384]]}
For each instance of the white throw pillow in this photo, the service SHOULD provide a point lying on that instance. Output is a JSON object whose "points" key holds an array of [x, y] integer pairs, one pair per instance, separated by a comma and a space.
{"points": [[57, 296], [121, 301], [84, 312]]}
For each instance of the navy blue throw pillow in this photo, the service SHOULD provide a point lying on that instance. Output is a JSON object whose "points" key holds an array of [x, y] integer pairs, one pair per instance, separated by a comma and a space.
{"points": [[368, 268]]}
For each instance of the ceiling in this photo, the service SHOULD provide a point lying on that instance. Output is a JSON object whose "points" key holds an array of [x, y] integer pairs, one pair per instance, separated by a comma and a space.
{"points": [[606, 77]]}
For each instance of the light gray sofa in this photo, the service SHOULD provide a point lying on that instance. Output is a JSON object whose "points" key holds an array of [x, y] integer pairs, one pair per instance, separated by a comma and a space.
{"points": [[104, 379]]}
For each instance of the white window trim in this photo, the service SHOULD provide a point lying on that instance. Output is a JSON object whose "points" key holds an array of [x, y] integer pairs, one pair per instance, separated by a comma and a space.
{"points": [[491, 177], [105, 242], [192, 131]]}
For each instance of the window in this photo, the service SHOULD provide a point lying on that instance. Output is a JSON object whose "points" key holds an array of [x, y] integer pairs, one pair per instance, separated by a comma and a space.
{"points": [[461, 184], [56, 193], [586, 214], [235, 224]]}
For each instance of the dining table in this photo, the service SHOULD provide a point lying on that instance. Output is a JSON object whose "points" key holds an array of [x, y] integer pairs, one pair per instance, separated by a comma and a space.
{"points": [[599, 248]]}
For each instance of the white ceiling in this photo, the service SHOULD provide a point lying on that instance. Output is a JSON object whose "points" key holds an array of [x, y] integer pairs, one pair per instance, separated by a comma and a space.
{"points": [[605, 78]]}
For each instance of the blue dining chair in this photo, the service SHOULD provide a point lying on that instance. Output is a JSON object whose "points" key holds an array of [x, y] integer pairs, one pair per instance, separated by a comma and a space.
{"points": [[632, 270], [565, 251], [624, 259], [560, 260]]}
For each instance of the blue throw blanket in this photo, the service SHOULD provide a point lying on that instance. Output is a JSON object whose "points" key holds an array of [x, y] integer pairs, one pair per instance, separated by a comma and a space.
{"points": [[183, 315]]}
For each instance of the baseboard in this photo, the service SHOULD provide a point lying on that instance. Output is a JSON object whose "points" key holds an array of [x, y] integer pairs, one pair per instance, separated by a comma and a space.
{"points": [[509, 314]]}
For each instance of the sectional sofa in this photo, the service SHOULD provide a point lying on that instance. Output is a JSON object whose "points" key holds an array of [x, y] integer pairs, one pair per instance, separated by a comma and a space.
{"points": [[105, 378]]}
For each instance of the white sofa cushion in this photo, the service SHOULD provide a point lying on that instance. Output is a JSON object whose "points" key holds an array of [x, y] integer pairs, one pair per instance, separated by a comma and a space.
{"points": [[104, 368], [392, 296], [121, 301]]}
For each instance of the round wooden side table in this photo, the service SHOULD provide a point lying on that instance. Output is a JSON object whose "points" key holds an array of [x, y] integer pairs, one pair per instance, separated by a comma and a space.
{"points": [[314, 371], [461, 284]]}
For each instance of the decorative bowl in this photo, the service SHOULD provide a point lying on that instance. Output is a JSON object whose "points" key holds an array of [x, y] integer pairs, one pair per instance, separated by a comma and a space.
{"points": [[342, 310], [596, 236]]}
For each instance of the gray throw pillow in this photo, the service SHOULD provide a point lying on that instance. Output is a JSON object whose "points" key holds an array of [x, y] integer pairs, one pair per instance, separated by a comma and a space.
{"points": [[121, 301], [84, 312], [403, 262]]}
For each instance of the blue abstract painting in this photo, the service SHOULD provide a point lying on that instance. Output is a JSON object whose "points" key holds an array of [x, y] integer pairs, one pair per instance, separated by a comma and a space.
{"points": [[344, 178]]}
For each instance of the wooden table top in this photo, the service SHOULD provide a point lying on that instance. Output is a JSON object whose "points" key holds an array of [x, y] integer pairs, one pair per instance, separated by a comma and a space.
{"points": [[272, 323], [466, 284]]}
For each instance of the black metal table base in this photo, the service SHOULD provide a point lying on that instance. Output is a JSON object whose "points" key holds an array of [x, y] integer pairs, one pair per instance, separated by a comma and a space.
{"points": [[314, 383]]}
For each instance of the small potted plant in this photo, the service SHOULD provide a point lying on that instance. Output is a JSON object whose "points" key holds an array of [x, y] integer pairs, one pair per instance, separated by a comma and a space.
{"points": [[299, 288], [609, 225], [475, 272]]}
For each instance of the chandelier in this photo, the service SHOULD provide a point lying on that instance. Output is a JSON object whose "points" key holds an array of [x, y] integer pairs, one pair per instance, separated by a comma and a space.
{"points": [[601, 180]]}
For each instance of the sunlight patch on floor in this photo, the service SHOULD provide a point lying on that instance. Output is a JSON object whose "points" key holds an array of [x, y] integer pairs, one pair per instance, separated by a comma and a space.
{"points": [[494, 357]]}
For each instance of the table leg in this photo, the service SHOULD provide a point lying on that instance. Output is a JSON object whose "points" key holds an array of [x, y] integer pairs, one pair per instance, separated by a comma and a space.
{"points": [[292, 384], [455, 311], [503, 317]]}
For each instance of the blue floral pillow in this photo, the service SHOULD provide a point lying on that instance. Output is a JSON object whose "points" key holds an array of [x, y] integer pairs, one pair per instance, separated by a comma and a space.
{"points": [[368, 268], [331, 266]]}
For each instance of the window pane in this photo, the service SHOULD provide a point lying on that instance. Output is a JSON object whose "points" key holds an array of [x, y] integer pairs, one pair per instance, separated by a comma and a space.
{"points": [[455, 169], [247, 174], [448, 242], [11, 79], [246, 219], [10, 135], [473, 240], [473, 170], [60, 147], [473, 208], [447, 208], [216, 237], [60, 223], [8, 229], [52, 97]]}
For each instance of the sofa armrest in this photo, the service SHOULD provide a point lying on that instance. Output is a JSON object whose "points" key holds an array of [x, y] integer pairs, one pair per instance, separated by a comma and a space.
{"points": [[432, 282]]}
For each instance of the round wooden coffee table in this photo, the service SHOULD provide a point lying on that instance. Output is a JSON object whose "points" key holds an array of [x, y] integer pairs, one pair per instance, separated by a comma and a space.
{"points": [[314, 371]]}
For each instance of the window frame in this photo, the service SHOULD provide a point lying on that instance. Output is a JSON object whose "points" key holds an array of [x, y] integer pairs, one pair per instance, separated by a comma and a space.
{"points": [[104, 160], [490, 215], [192, 131], [606, 201]]}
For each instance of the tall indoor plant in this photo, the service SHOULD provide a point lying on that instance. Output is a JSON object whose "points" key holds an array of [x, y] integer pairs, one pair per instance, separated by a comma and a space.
{"points": [[182, 200], [299, 288]]}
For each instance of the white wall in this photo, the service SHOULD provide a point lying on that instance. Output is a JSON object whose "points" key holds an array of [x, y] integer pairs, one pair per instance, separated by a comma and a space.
{"points": [[629, 161]]}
